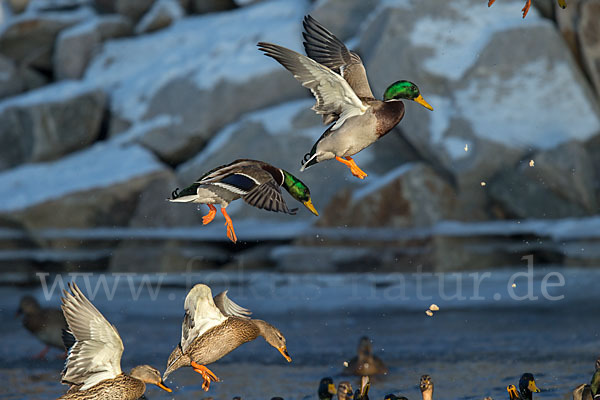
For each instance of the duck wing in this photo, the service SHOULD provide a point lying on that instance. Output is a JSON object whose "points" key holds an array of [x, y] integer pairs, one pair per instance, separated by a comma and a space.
{"points": [[325, 48], [333, 93], [96, 354], [229, 308], [201, 314]]}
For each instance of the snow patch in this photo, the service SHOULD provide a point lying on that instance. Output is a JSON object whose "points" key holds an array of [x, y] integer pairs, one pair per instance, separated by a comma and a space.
{"points": [[56, 92]]}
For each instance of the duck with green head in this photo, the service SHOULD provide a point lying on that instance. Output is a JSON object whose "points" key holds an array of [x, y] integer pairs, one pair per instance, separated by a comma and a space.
{"points": [[527, 387], [561, 3], [326, 389], [337, 78], [257, 182]]}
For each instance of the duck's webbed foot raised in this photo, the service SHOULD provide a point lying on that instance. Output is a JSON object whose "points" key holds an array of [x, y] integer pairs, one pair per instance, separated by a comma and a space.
{"points": [[526, 8], [207, 219], [491, 2], [229, 224], [207, 375], [349, 162]]}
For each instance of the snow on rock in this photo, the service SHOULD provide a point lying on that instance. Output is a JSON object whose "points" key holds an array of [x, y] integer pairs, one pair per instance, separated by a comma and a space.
{"points": [[504, 85], [205, 70], [49, 122], [94, 187], [162, 14]]}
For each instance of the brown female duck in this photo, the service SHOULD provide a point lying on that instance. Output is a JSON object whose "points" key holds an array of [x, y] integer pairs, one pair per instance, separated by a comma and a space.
{"points": [[212, 328], [93, 367], [365, 363], [45, 323]]}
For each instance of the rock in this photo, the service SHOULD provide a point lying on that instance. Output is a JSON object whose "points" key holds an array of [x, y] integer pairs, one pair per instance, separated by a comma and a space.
{"points": [[281, 135], [162, 14], [38, 6], [49, 122], [74, 49], [560, 184], [132, 9], [28, 39], [478, 93], [411, 195], [10, 83], [96, 187], [208, 6], [190, 75], [589, 40], [113, 26], [343, 17]]}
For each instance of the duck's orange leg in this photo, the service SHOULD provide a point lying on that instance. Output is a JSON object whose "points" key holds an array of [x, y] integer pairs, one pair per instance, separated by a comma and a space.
{"points": [[349, 162], [526, 8], [42, 354], [207, 219], [491, 2], [229, 225], [207, 375]]}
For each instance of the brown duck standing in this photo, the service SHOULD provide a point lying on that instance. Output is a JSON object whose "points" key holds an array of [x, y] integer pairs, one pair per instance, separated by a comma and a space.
{"points": [[365, 363], [93, 367], [45, 323], [212, 328]]}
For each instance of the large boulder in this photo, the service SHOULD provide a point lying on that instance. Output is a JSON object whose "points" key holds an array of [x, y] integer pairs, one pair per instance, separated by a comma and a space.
{"points": [[74, 49], [343, 17], [28, 39], [10, 82], [132, 9], [162, 14], [498, 107], [200, 72], [49, 122]]}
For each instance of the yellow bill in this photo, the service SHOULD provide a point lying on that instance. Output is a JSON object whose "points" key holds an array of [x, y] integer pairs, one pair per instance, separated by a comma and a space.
{"points": [[163, 387], [532, 386], [284, 353], [562, 3], [331, 389], [308, 204], [422, 102]]}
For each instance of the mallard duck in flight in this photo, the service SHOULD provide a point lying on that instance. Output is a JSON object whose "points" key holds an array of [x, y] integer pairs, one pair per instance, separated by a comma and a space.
{"points": [[337, 78], [561, 3], [257, 182]]}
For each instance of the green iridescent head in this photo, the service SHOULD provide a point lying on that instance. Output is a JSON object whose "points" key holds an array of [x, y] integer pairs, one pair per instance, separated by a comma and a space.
{"points": [[299, 191], [405, 90]]}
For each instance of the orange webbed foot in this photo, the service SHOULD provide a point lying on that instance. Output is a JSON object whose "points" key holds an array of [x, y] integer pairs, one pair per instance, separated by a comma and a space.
{"points": [[526, 8], [207, 375], [491, 2], [354, 169], [229, 224], [207, 219]]}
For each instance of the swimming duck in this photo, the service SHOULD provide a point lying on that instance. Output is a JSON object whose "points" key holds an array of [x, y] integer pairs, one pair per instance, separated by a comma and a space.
{"points": [[212, 328], [561, 3], [338, 80], [257, 182], [365, 363], [526, 388], [93, 367], [45, 323], [344, 391], [591, 390], [426, 386], [326, 389]]}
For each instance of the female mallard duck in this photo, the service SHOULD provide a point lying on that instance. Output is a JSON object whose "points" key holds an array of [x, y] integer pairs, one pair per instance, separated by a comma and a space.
{"points": [[212, 328], [45, 323], [426, 386], [591, 390], [526, 388], [338, 80], [257, 182], [365, 363], [561, 3], [344, 391], [93, 367], [363, 392], [326, 389]]}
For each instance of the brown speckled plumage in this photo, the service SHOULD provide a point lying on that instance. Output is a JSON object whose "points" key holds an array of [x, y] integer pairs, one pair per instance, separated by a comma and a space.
{"points": [[123, 387]]}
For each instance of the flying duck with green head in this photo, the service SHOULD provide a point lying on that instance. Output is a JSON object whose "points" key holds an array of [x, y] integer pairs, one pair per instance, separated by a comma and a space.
{"points": [[337, 78], [257, 182]]}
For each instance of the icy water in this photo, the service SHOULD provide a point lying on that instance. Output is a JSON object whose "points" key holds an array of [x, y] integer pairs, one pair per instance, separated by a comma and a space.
{"points": [[477, 343]]}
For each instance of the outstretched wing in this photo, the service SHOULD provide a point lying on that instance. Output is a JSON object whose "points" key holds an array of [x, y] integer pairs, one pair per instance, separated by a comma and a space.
{"points": [[96, 354], [229, 308], [201, 314], [325, 48], [333, 94], [268, 197]]}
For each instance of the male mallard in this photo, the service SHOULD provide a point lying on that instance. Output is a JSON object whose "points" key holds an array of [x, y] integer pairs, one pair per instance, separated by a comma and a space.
{"points": [[338, 80], [426, 386], [526, 388], [212, 328], [365, 363], [326, 389], [344, 391], [93, 367], [561, 3], [45, 323], [591, 390], [257, 182]]}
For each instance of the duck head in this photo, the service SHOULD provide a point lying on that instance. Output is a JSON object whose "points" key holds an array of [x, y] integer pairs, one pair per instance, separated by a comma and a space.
{"points": [[148, 374], [273, 337], [405, 90], [527, 386], [326, 389], [344, 391], [299, 191], [426, 386], [365, 348], [176, 360]]}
